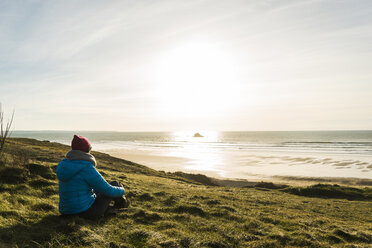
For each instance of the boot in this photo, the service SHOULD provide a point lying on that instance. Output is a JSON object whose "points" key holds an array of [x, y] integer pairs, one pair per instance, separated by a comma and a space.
{"points": [[121, 202]]}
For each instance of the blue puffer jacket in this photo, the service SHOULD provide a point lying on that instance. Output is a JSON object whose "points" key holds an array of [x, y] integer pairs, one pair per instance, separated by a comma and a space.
{"points": [[78, 182]]}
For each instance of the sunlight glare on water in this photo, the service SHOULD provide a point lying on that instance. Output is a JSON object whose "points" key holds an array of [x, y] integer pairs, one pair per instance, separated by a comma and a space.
{"points": [[200, 154]]}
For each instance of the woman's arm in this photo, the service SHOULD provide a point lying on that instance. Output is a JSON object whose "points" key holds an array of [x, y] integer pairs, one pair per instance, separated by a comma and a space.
{"points": [[99, 184]]}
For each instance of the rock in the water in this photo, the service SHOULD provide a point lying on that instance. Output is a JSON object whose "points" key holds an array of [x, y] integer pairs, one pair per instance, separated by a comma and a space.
{"points": [[198, 135]]}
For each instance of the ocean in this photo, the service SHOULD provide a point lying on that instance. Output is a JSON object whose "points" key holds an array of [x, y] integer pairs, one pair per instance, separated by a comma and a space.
{"points": [[245, 155]]}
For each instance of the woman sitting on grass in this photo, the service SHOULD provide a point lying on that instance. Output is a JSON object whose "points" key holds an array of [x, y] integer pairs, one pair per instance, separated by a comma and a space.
{"points": [[82, 189]]}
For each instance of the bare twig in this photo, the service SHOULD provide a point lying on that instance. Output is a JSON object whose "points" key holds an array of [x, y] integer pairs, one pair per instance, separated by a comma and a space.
{"points": [[5, 130]]}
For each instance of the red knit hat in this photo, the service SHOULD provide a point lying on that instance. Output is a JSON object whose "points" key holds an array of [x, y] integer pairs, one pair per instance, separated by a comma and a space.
{"points": [[80, 143]]}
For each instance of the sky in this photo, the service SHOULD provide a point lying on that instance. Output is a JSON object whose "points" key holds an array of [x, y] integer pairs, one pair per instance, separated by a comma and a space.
{"points": [[170, 65]]}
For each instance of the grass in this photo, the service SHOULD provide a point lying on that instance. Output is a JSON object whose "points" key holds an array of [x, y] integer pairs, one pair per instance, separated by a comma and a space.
{"points": [[333, 191], [177, 210]]}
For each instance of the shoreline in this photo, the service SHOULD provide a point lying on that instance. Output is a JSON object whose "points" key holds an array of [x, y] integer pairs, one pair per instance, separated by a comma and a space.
{"points": [[243, 182]]}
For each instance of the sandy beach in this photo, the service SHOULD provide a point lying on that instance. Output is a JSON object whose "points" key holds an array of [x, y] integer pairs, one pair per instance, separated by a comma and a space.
{"points": [[237, 175]]}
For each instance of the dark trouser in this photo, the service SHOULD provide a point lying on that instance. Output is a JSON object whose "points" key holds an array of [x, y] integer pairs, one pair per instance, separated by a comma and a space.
{"points": [[102, 204]]}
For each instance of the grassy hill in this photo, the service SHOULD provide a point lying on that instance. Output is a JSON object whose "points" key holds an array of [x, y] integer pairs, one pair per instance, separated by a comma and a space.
{"points": [[174, 209]]}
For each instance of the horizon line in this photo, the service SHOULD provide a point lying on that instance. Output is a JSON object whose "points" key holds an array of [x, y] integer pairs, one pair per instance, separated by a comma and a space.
{"points": [[120, 131]]}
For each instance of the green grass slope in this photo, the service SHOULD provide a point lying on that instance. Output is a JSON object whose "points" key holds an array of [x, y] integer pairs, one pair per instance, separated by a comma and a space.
{"points": [[173, 210]]}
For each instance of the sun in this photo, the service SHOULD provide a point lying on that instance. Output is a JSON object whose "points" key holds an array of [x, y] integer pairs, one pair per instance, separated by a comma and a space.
{"points": [[195, 79]]}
